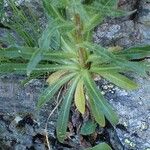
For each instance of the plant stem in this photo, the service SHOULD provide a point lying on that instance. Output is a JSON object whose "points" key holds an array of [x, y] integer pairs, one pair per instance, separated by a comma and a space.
{"points": [[79, 39]]}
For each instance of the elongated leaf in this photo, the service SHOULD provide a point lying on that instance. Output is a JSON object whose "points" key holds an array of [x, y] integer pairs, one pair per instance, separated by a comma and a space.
{"points": [[51, 10], [35, 59], [96, 110], [53, 30], [80, 97], [51, 90], [78, 8], [55, 76], [135, 52], [45, 40], [13, 67], [94, 21], [32, 77], [21, 68], [133, 55], [98, 102], [119, 80], [105, 68], [64, 112], [138, 48], [101, 146], [28, 52], [99, 51], [132, 66]]}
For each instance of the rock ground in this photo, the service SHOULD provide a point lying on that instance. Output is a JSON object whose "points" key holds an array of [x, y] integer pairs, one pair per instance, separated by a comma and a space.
{"points": [[22, 128]]}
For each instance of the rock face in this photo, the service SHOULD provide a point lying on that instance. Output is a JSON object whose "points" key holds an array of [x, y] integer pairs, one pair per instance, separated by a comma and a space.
{"points": [[127, 31], [134, 111], [22, 127]]}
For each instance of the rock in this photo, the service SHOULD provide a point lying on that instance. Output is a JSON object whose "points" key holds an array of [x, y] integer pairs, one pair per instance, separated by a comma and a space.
{"points": [[127, 5], [144, 22], [126, 32], [21, 127], [113, 34], [134, 116], [19, 122]]}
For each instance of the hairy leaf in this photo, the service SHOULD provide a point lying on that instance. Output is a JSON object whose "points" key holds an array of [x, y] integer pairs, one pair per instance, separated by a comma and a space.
{"points": [[27, 52], [55, 76], [119, 80], [80, 97], [64, 112], [98, 103], [51, 90], [135, 52], [35, 59]]}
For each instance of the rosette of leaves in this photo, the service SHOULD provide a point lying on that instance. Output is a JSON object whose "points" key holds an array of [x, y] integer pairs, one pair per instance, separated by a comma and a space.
{"points": [[73, 60]]}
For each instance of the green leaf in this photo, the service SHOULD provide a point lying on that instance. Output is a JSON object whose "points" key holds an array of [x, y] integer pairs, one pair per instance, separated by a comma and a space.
{"points": [[33, 76], [101, 146], [35, 59], [105, 68], [135, 52], [94, 21], [119, 80], [138, 48], [96, 111], [52, 30], [51, 10], [131, 66], [51, 90], [80, 97], [98, 104], [55, 76], [27, 52], [101, 52], [21, 68], [88, 128], [77, 8], [18, 68], [45, 40], [64, 112]]}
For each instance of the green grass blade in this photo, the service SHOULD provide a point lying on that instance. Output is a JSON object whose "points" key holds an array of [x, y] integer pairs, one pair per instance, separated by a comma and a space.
{"points": [[64, 112], [99, 100]]}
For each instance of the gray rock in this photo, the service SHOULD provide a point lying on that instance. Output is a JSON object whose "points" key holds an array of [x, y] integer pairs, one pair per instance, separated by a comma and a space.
{"points": [[19, 122], [144, 22], [117, 33], [134, 112], [133, 107]]}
